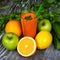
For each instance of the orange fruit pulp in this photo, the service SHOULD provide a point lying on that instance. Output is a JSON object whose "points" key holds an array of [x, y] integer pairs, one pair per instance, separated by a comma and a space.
{"points": [[26, 46], [14, 27]]}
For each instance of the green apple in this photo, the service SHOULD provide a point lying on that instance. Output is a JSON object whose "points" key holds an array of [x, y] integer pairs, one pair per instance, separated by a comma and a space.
{"points": [[10, 41], [44, 25]]}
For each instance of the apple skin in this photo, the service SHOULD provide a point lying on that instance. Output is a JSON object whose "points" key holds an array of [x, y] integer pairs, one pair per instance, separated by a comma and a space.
{"points": [[44, 25], [10, 41]]}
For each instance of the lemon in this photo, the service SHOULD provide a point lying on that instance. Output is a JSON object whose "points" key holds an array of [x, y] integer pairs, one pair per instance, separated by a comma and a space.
{"points": [[43, 39]]}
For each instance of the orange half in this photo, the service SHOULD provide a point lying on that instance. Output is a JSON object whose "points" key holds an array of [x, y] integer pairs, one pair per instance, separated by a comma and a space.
{"points": [[26, 46]]}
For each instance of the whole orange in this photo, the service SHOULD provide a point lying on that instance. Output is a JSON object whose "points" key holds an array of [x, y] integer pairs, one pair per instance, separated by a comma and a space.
{"points": [[14, 27]]}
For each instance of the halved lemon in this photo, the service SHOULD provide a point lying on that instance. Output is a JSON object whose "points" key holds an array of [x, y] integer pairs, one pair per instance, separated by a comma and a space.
{"points": [[26, 46]]}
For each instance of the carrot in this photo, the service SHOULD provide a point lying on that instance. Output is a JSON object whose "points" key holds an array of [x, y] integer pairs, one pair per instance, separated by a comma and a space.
{"points": [[29, 25]]}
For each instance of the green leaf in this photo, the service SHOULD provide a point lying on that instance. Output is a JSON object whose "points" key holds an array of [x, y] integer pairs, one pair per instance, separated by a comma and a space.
{"points": [[56, 27], [5, 7], [50, 1]]}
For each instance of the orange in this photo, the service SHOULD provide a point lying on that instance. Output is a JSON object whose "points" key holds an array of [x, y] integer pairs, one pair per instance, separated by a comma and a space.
{"points": [[14, 27], [26, 46], [43, 39]]}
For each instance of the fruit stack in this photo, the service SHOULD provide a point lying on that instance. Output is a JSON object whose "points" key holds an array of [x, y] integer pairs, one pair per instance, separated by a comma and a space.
{"points": [[28, 35]]}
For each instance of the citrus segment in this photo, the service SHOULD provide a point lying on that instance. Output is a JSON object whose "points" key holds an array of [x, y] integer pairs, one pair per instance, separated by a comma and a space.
{"points": [[26, 46]]}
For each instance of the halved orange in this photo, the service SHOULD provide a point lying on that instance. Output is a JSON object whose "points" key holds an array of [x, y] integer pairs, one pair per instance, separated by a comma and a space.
{"points": [[26, 46]]}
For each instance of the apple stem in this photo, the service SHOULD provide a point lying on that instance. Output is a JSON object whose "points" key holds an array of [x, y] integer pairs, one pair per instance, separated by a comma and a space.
{"points": [[43, 23], [9, 37]]}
